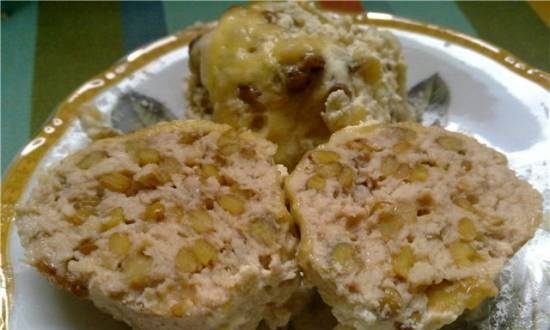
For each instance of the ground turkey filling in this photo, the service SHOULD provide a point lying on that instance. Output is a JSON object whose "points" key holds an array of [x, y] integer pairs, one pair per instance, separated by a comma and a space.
{"points": [[407, 226], [179, 219]]}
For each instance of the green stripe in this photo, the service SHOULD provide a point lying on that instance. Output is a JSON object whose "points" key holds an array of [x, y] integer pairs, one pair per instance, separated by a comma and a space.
{"points": [[513, 26], [182, 14], [18, 41], [443, 13], [75, 41]]}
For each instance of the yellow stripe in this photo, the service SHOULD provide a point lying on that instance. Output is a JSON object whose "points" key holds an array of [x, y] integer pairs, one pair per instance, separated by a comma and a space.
{"points": [[542, 8]]}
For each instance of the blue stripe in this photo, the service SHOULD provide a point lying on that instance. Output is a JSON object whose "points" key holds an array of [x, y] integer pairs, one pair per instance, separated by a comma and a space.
{"points": [[377, 6], [18, 47], [180, 15], [142, 23], [444, 13]]}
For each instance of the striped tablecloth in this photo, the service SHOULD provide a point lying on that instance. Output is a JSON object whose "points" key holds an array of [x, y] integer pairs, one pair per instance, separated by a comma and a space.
{"points": [[50, 48]]}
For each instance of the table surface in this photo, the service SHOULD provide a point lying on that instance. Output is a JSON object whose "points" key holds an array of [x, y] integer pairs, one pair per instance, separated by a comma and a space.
{"points": [[50, 48]]}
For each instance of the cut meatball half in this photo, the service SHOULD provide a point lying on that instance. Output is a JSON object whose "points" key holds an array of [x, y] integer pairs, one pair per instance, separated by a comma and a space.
{"points": [[405, 227], [178, 226]]}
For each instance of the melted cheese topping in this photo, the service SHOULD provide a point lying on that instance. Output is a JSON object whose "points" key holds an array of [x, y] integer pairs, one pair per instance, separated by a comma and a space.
{"points": [[293, 75], [240, 51], [247, 50]]}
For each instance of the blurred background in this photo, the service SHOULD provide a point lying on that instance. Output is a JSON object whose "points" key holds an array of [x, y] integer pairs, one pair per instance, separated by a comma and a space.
{"points": [[49, 48]]}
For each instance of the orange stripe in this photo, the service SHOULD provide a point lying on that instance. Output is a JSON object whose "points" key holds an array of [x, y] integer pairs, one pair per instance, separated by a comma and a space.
{"points": [[342, 5], [542, 8]]}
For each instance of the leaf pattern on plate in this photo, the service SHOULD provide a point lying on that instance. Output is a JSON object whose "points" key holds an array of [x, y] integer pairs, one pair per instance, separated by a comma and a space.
{"points": [[134, 111], [431, 98]]}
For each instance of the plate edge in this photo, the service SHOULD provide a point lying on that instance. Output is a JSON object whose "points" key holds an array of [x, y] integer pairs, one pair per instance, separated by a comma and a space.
{"points": [[22, 167]]}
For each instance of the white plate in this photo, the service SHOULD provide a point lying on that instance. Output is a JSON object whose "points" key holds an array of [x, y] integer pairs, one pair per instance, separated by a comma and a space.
{"points": [[495, 98]]}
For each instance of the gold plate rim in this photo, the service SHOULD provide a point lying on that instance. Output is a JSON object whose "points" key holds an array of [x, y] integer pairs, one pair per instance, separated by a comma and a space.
{"points": [[22, 167]]}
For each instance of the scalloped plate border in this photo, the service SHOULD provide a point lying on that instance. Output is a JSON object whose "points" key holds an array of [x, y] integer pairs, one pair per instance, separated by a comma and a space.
{"points": [[25, 163]]}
